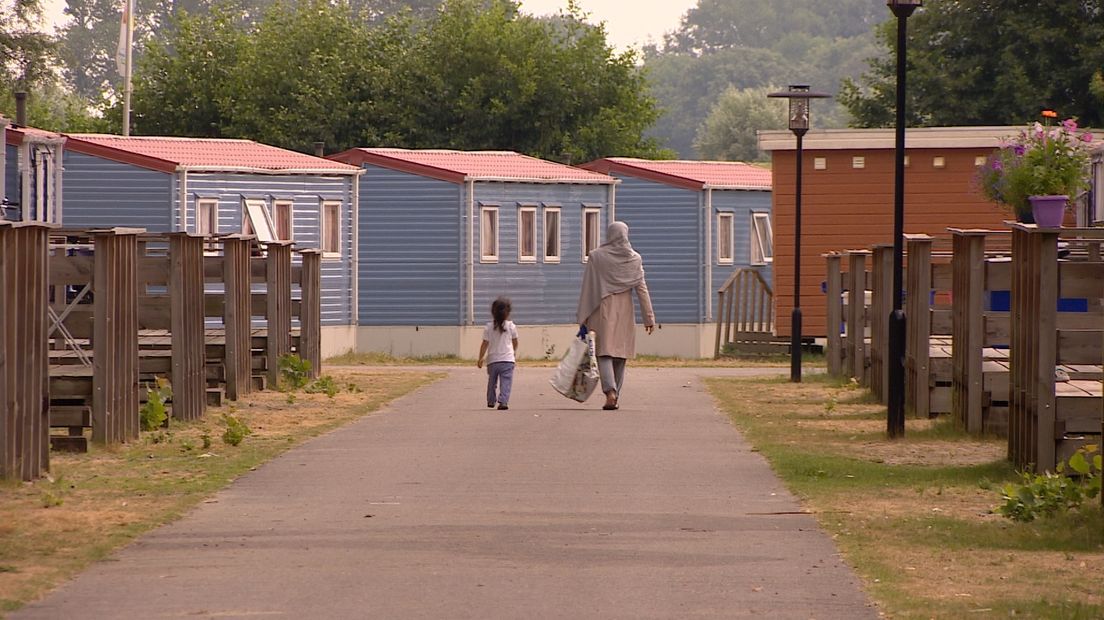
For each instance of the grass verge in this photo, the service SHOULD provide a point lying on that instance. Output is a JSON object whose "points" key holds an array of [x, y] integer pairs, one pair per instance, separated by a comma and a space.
{"points": [[649, 361], [93, 503], [913, 516]]}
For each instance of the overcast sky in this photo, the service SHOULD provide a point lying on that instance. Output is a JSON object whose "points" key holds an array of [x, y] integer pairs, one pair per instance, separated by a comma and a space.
{"points": [[629, 23]]}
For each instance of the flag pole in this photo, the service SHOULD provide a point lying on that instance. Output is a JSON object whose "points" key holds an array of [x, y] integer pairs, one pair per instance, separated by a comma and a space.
{"points": [[129, 62]]}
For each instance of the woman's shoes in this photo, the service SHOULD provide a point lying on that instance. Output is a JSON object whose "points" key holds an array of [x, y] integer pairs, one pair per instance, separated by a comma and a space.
{"points": [[611, 401]]}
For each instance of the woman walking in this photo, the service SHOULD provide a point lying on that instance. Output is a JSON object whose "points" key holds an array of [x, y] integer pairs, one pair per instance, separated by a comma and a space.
{"points": [[613, 271]]}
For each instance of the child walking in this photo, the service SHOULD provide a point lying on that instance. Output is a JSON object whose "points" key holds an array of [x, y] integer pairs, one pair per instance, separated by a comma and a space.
{"points": [[500, 341]]}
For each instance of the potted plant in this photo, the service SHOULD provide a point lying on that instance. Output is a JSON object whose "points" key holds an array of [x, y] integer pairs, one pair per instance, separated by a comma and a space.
{"points": [[1038, 171]]}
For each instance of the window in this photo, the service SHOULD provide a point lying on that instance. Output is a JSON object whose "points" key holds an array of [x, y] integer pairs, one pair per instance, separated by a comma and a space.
{"points": [[206, 217], [281, 216], [592, 236], [527, 234], [858, 163], [331, 228], [488, 234], [939, 162], [551, 234], [820, 163], [725, 254], [257, 221], [762, 239]]}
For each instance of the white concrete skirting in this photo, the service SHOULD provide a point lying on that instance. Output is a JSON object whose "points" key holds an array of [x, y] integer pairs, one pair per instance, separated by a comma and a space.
{"points": [[338, 340], [688, 341]]}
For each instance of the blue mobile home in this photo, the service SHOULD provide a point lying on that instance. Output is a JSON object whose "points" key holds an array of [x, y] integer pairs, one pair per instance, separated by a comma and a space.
{"points": [[213, 186], [694, 222], [32, 180], [443, 233]]}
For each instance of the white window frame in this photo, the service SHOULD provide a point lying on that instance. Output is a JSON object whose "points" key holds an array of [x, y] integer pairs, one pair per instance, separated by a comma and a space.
{"points": [[730, 257], [332, 249], [211, 219], [276, 207], [532, 211], [256, 220], [549, 210], [597, 213], [761, 230], [486, 212]]}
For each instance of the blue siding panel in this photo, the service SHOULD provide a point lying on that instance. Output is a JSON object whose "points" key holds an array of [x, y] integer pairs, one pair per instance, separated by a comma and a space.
{"points": [[741, 204], [104, 193], [665, 227], [540, 293], [410, 260], [306, 192]]}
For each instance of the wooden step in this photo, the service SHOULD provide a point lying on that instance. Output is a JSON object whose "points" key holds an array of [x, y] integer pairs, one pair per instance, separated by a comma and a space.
{"points": [[62, 443], [63, 416]]}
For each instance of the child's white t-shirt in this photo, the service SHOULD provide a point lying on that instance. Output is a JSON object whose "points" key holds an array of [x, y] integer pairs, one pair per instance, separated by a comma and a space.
{"points": [[500, 345]]}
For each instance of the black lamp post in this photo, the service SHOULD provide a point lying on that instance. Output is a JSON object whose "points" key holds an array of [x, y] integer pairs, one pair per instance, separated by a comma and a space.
{"points": [[895, 415], [798, 96]]}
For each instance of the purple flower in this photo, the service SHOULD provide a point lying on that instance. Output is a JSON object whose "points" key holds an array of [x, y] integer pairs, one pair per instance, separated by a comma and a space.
{"points": [[997, 165], [1070, 124], [1086, 137], [1019, 150]]}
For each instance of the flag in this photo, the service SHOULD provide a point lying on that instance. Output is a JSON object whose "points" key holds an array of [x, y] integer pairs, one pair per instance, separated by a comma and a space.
{"points": [[126, 26]]}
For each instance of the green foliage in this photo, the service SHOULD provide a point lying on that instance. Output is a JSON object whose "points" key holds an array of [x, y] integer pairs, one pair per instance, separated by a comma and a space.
{"points": [[294, 371], [1049, 494], [729, 132], [51, 499], [476, 74], [978, 62], [723, 44], [236, 430], [153, 413], [323, 385], [1040, 161]]}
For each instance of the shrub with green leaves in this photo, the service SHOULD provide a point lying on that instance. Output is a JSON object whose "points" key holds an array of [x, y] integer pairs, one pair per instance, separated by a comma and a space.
{"points": [[1049, 494], [295, 372], [323, 385], [236, 430], [153, 412]]}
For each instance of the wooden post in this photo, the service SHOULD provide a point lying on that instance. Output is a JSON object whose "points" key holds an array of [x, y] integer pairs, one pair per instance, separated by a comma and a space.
{"points": [[968, 328], [189, 362], [278, 306], [918, 288], [115, 336], [237, 312], [881, 304], [24, 353], [310, 310], [856, 314], [1034, 347], [835, 314]]}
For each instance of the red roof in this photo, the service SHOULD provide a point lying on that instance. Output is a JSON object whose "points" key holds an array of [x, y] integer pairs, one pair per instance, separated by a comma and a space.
{"points": [[16, 135], [170, 154], [688, 174], [459, 166]]}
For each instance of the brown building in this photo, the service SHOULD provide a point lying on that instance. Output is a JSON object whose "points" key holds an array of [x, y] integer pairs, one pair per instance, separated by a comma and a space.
{"points": [[847, 199]]}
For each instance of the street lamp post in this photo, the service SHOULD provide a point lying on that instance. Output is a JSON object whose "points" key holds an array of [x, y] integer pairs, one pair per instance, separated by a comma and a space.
{"points": [[798, 96], [895, 415]]}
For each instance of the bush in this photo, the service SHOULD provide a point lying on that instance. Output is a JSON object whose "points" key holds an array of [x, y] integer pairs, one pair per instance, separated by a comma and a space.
{"points": [[153, 413], [295, 371], [236, 430], [1047, 494]]}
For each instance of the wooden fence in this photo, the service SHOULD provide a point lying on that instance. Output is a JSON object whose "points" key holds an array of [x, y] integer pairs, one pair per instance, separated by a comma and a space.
{"points": [[1050, 418], [24, 356], [745, 307]]}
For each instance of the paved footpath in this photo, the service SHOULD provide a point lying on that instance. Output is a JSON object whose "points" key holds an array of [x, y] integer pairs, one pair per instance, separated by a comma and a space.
{"points": [[438, 507]]}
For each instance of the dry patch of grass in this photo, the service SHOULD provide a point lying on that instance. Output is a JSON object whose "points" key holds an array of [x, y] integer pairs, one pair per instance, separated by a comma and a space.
{"points": [[913, 516], [93, 503]]}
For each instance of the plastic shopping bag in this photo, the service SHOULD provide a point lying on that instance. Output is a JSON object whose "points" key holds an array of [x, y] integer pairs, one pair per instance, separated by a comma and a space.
{"points": [[577, 375]]}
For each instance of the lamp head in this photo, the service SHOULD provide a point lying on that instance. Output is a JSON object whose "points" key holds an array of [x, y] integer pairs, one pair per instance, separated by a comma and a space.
{"points": [[903, 8], [799, 96]]}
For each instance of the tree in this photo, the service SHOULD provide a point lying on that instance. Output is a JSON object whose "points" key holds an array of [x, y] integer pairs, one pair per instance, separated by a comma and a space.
{"points": [[753, 43], [26, 52], [728, 133], [478, 75], [978, 62]]}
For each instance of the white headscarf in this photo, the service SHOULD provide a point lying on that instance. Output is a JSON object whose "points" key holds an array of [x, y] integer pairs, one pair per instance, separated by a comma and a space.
{"points": [[612, 268]]}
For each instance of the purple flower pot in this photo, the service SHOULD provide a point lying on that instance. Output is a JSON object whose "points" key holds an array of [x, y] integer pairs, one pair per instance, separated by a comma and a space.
{"points": [[1048, 210]]}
